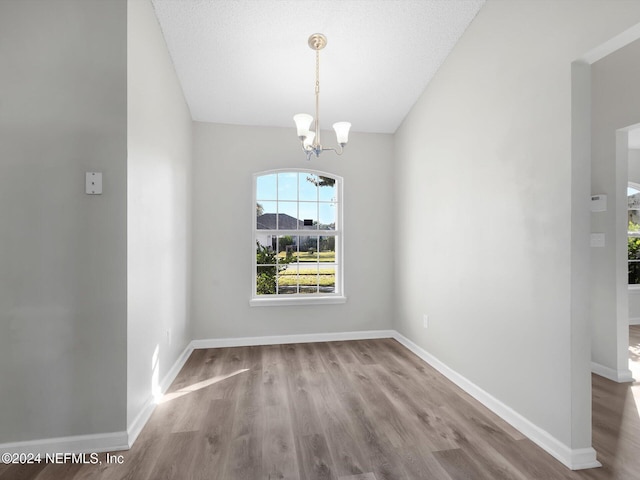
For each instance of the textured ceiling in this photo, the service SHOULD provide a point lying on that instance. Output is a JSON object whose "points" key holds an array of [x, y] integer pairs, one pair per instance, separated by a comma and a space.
{"points": [[247, 61]]}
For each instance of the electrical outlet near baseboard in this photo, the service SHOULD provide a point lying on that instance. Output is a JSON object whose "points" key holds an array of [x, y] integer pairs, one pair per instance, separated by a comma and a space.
{"points": [[425, 320]]}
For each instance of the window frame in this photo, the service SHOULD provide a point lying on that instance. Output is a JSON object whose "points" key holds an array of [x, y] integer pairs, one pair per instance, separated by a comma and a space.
{"points": [[300, 298], [632, 286]]}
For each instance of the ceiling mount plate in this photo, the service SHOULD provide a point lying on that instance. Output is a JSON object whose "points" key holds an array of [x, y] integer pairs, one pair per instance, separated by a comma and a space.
{"points": [[317, 41]]}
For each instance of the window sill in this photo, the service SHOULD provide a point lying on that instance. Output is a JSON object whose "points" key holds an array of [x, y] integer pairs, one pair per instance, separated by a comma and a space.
{"points": [[634, 288], [280, 302]]}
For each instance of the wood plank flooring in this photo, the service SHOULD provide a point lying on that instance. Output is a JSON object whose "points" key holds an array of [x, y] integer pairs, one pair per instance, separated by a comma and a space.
{"points": [[358, 410]]}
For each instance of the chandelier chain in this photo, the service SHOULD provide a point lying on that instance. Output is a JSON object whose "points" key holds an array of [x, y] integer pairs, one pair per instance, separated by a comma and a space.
{"points": [[316, 140], [317, 71]]}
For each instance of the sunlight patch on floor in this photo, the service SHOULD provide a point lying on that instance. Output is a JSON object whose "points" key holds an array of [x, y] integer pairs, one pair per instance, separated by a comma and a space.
{"points": [[634, 366], [634, 361], [198, 386], [635, 390]]}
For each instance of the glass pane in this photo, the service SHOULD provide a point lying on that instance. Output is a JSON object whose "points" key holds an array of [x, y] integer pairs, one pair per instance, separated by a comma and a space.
{"points": [[308, 249], [327, 189], [266, 215], [265, 251], [288, 216], [287, 249], [308, 186], [266, 187], [308, 215], [308, 269], [294, 250], [633, 249], [290, 271], [327, 218], [634, 273], [266, 280], [634, 220], [327, 249], [327, 279], [288, 280], [288, 186], [309, 279], [308, 290]]}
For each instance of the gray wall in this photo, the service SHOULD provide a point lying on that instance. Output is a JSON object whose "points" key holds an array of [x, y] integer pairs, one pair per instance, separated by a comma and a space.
{"points": [[63, 253], [483, 178], [225, 157], [159, 214], [615, 105]]}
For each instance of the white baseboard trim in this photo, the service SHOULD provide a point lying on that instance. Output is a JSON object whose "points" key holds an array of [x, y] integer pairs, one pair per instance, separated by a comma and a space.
{"points": [[284, 339], [582, 458], [134, 429], [634, 321], [575, 459], [620, 376], [102, 442], [173, 372], [136, 426]]}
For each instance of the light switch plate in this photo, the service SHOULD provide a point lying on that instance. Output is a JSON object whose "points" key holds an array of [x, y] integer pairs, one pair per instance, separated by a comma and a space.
{"points": [[94, 183], [599, 203], [597, 240]]}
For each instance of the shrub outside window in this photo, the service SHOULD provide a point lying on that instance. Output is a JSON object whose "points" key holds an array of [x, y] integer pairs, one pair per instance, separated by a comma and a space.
{"points": [[297, 238]]}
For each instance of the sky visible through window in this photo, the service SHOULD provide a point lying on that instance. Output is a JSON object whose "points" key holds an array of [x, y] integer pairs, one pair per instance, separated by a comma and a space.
{"points": [[298, 195]]}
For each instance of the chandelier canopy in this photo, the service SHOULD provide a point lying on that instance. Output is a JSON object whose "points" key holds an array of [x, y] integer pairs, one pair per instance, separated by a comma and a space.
{"points": [[311, 139]]}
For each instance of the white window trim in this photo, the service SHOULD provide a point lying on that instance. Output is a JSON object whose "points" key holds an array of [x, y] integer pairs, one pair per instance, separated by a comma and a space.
{"points": [[301, 299], [258, 301]]}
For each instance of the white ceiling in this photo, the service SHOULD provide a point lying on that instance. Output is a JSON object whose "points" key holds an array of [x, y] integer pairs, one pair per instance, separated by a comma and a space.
{"points": [[247, 62]]}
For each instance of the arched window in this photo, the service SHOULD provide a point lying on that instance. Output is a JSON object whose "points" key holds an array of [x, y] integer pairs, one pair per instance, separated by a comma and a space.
{"points": [[297, 238]]}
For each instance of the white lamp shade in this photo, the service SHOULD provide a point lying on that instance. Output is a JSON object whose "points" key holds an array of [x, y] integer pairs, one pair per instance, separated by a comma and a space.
{"points": [[342, 131], [308, 141], [303, 123]]}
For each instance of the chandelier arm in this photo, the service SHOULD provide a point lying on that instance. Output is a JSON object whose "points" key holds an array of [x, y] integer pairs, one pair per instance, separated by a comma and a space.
{"points": [[337, 152]]}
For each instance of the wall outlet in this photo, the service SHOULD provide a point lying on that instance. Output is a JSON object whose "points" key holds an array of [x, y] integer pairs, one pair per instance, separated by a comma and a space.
{"points": [[425, 320], [168, 337]]}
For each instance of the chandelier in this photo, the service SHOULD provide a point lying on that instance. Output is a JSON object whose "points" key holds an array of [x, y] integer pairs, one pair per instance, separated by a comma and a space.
{"points": [[311, 140]]}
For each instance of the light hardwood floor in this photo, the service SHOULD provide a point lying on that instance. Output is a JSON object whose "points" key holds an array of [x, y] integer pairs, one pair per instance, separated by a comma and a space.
{"points": [[361, 410]]}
